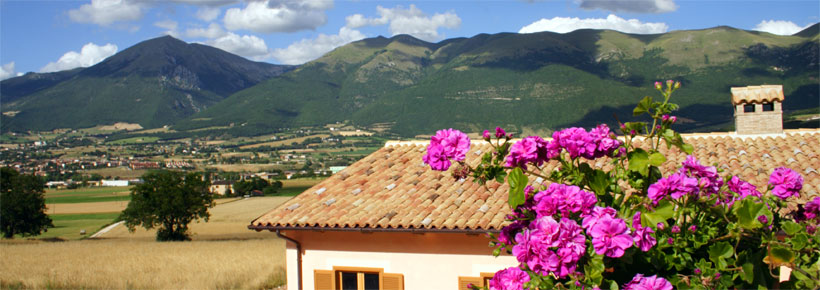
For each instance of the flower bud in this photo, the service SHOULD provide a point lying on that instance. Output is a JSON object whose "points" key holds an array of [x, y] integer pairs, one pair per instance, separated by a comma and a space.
{"points": [[693, 228], [717, 275], [810, 229], [763, 219], [677, 85], [697, 271], [661, 226], [673, 119], [665, 118], [657, 127], [633, 133], [669, 83], [658, 85], [499, 132], [675, 229], [670, 241], [487, 135]]}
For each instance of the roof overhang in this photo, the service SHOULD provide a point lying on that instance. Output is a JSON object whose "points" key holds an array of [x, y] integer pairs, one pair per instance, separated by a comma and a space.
{"points": [[372, 230]]}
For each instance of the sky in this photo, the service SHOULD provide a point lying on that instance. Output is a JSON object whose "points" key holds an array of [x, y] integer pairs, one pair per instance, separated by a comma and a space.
{"points": [[55, 35]]}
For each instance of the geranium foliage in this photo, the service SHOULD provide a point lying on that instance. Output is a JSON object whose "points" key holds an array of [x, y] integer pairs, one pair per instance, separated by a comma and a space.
{"points": [[632, 227]]}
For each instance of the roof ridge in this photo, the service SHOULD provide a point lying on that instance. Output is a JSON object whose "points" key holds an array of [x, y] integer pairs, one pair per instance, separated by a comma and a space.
{"points": [[397, 143]]}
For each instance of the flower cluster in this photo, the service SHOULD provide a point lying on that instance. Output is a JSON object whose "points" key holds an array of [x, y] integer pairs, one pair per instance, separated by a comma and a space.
{"points": [[708, 179], [580, 143], [785, 182], [531, 149], [512, 278], [549, 247], [742, 188], [564, 199], [445, 145], [648, 283], [812, 209], [675, 185], [610, 236]]}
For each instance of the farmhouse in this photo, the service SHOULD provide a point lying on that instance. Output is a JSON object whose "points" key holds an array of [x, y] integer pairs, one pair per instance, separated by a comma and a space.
{"points": [[390, 222]]}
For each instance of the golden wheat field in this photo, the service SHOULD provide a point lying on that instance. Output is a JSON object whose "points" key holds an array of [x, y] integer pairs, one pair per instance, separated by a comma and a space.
{"points": [[223, 254]]}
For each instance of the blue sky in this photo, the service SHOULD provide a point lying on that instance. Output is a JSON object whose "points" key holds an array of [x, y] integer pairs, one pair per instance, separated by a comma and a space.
{"points": [[53, 35]]}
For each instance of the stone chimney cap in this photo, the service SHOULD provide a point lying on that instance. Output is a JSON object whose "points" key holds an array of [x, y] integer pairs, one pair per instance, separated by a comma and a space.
{"points": [[757, 94]]}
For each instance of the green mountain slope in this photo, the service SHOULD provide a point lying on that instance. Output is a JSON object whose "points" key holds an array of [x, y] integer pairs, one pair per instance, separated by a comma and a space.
{"points": [[154, 83], [532, 82]]}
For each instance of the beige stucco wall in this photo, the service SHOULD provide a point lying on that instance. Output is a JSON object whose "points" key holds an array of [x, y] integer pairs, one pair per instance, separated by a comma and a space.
{"points": [[427, 261], [759, 122]]}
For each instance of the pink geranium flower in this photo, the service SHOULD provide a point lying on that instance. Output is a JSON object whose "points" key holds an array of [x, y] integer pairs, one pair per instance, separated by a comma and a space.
{"points": [[446, 144], [639, 282], [675, 185], [531, 149], [812, 208], [786, 182], [511, 278], [610, 237]]}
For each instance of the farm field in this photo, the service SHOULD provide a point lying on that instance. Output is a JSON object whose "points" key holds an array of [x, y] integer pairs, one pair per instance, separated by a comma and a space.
{"points": [[223, 254]]}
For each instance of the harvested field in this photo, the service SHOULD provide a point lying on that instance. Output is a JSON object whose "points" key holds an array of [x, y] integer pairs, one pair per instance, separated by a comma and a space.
{"points": [[137, 264], [86, 207], [224, 253], [284, 142]]}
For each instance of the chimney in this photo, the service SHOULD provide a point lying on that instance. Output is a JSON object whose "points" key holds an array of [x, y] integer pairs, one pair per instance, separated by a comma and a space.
{"points": [[758, 109]]}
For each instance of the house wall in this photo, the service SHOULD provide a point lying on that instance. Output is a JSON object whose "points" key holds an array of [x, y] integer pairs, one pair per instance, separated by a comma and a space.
{"points": [[427, 261]]}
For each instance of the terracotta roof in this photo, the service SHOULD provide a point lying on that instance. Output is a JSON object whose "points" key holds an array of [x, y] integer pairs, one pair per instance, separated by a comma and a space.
{"points": [[392, 189], [757, 94]]}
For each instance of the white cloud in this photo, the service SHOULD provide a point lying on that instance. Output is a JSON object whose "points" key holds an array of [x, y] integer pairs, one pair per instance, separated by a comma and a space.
{"points": [[779, 27], [167, 24], [248, 46], [213, 31], [567, 24], [208, 14], [309, 49], [105, 12], [212, 3], [170, 27], [278, 15], [89, 55], [410, 21], [634, 6], [7, 71]]}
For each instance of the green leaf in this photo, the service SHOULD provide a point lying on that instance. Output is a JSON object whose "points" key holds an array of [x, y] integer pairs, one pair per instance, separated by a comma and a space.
{"points": [[687, 148], [791, 227], [720, 250], [643, 106], [748, 212], [748, 273], [639, 161], [779, 255], [657, 159], [598, 181], [799, 241], [664, 211], [518, 181], [594, 269]]}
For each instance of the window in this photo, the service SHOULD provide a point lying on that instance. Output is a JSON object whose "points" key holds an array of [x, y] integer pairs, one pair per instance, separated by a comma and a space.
{"points": [[768, 107], [749, 108], [483, 281], [357, 278]]}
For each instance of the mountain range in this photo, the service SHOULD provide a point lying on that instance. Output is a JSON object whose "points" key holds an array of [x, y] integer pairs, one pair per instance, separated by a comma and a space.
{"points": [[532, 83], [153, 83]]}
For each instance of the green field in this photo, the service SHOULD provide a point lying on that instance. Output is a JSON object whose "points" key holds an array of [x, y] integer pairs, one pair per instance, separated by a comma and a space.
{"points": [[93, 194], [134, 140], [68, 226]]}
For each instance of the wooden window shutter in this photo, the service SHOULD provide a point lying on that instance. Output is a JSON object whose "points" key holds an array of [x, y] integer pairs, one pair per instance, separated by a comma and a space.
{"points": [[392, 281], [323, 279], [463, 281]]}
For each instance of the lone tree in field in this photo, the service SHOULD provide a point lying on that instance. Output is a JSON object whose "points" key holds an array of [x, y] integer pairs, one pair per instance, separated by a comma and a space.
{"points": [[22, 204], [169, 200]]}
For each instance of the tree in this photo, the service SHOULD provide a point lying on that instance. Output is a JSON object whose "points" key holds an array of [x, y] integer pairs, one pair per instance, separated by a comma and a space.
{"points": [[169, 200], [22, 204]]}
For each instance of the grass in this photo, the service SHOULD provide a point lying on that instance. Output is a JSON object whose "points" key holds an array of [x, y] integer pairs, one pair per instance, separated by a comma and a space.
{"points": [[91, 194], [293, 187], [68, 226], [134, 140], [121, 172]]}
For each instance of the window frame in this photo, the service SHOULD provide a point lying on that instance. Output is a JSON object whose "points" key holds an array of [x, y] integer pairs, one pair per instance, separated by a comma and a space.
{"points": [[360, 271], [768, 105], [747, 106]]}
